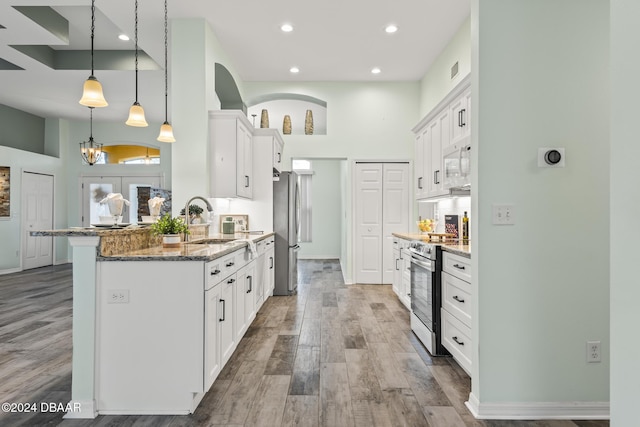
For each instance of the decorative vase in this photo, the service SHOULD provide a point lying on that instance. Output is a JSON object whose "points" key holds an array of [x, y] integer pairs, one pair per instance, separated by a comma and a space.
{"points": [[286, 125], [308, 123], [264, 119], [171, 240]]}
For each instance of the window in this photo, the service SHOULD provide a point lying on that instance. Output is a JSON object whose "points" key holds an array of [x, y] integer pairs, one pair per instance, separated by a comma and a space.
{"points": [[303, 169]]}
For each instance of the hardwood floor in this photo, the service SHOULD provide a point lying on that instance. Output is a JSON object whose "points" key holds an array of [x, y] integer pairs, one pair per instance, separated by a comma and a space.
{"points": [[334, 355]]}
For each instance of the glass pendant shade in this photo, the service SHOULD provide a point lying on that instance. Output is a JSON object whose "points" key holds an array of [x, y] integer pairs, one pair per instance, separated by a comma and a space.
{"points": [[166, 133], [90, 151], [136, 116], [92, 95]]}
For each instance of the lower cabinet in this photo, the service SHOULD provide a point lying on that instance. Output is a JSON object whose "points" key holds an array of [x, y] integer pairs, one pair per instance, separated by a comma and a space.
{"points": [[244, 305], [269, 269], [402, 271], [457, 317]]}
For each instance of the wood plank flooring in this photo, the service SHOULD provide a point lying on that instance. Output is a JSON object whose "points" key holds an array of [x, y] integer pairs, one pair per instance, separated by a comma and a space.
{"points": [[334, 355]]}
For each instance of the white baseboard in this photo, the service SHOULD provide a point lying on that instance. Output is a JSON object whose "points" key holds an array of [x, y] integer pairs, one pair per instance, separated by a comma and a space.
{"points": [[10, 270], [62, 261], [81, 409], [538, 410]]}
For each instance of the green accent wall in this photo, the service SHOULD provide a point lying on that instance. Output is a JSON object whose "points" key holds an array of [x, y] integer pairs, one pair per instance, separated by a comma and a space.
{"points": [[21, 130]]}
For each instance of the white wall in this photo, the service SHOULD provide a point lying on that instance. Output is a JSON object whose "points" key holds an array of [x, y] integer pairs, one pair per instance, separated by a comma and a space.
{"points": [[625, 206], [437, 82], [369, 121], [327, 188], [540, 78], [25, 161]]}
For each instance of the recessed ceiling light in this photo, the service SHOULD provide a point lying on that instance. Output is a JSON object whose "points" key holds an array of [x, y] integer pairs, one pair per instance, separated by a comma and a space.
{"points": [[376, 70], [287, 28], [124, 37], [391, 29], [294, 70]]}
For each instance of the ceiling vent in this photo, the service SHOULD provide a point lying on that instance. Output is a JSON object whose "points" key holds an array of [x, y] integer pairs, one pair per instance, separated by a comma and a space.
{"points": [[454, 70]]}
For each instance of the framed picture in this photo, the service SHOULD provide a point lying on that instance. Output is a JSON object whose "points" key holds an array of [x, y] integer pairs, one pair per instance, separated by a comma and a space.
{"points": [[5, 192], [241, 221]]}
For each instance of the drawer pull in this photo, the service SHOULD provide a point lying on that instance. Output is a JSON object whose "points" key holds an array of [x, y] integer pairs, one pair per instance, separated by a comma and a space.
{"points": [[250, 284], [229, 264], [231, 280], [214, 272], [457, 298], [458, 266], [457, 341]]}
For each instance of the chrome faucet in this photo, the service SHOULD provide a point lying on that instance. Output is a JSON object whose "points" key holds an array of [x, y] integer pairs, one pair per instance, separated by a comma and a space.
{"points": [[186, 213]]}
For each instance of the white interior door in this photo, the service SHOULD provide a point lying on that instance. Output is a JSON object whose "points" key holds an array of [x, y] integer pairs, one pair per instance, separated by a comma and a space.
{"points": [[37, 214], [129, 187], [94, 189], [368, 207], [395, 212]]}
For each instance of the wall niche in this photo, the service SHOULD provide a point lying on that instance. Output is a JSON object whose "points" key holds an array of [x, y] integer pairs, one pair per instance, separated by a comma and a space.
{"points": [[296, 106]]}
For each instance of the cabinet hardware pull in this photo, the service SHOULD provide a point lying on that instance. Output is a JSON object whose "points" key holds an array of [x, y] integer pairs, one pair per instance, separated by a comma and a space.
{"points": [[214, 272], [460, 118], [224, 310], [279, 157], [229, 264], [435, 177], [250, 284], [457, 341], [231, 280], [420, 183], [462, 114], [397, 264], [246, 180], [271, 259], [457, 298], [408, 295], [458, 266]]}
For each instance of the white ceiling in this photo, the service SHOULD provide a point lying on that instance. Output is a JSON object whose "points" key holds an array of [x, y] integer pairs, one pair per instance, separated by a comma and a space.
{"points": [[333, 40]]}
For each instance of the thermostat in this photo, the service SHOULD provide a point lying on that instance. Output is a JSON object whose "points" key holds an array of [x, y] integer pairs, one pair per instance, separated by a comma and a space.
{"points": [[550, 157]]}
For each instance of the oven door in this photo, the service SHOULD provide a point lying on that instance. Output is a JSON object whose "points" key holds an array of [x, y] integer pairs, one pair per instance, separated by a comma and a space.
{"points": [[422, 276]]}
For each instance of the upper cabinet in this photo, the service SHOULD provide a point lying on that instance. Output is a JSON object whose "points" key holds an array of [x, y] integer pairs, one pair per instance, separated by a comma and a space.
{"points": [[231, 143], [445, 130]]}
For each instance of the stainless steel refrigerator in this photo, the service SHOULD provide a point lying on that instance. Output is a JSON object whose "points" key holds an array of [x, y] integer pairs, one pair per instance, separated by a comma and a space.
{"points": [[286, 225]]}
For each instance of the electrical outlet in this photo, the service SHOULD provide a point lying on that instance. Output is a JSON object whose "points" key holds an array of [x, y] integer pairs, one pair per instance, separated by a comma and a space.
{"points": [[593, 351], [118, 296]]}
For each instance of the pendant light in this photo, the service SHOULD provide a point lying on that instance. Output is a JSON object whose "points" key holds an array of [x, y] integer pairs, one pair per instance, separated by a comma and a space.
{"points": [[166, 131], [90, 150], [136, 112], [147, 159], [92, 95]]}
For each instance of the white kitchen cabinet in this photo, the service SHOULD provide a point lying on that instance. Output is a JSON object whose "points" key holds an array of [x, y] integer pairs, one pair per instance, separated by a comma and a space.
{"points": [[212, 315], [397, 272], [460, 123], [405, 294], [231, 144], [269, 268], [247, 286], [456, 311], [260, 274], [226, 334], [446, 125], [278, 147]]}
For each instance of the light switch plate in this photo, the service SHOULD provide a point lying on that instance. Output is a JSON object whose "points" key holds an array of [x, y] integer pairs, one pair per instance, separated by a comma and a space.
{"points": [[504, 214]]}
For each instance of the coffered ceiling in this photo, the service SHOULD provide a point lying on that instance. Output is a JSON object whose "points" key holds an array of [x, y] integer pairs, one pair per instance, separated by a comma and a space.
{"points": [[44, 46]]}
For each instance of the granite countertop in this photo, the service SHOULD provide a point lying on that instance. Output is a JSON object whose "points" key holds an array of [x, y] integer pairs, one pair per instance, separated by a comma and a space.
{"points": [[190, 251], [89, 231], [452, 246]]}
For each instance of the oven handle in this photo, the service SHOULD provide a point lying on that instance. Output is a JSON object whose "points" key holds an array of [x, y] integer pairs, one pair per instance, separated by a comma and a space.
{"points": [[428, 265]]}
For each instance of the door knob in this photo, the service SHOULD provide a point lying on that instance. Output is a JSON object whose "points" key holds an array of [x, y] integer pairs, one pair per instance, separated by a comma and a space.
{"points": [[369, 229]]}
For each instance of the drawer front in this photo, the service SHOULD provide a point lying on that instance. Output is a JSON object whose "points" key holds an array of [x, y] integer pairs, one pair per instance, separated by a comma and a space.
{"points": [[456, 297], [457, 266], [222, 267], [456, 337]]}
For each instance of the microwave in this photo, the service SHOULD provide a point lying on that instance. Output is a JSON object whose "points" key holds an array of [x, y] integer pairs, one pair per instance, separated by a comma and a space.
{"points": [[456, 161]]}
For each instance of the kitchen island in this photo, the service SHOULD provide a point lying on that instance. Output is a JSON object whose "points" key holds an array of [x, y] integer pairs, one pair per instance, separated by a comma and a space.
{"points": [[153, 327], [454, 246]]}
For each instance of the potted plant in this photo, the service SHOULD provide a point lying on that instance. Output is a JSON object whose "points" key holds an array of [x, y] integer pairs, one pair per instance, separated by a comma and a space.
{"points": [[170, 229], [194, 214]]}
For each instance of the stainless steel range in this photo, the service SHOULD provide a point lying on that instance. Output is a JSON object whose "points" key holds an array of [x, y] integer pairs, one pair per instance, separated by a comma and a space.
{"points": [[426, 291]]}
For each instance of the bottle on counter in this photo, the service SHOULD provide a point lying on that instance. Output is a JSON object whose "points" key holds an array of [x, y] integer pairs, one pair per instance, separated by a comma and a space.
{"points": [[465, 228]]}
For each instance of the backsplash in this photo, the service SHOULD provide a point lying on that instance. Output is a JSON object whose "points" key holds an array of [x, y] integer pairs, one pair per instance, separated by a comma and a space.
{"points": [[438, 210]]}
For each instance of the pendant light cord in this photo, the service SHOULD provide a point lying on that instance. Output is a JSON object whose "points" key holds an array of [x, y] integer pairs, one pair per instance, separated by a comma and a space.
{"points": [[166, 85], [91, 125], [93, 28], [136, 42]]}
